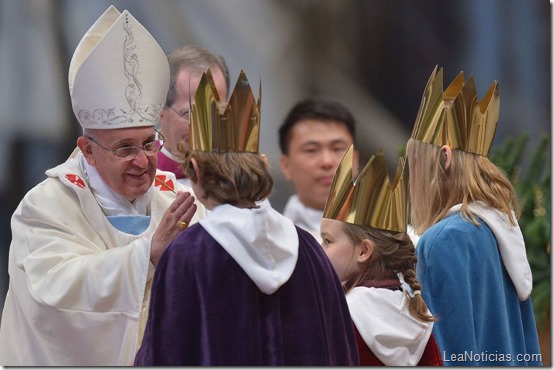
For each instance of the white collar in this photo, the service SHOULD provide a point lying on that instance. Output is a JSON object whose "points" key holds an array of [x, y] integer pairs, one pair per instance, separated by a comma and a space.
{"points": [[260, 240], [386, 326], [307, 218], [170, 155], [112, 203], [511, 245]]}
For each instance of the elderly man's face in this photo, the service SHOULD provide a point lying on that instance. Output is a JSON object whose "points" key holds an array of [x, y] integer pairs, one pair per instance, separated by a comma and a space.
{"points": [[128, 177], [174, 120]]}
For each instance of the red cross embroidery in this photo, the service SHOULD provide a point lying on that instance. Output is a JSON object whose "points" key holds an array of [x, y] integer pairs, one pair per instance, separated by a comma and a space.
{"points": [[75, 179], [163, 184]]}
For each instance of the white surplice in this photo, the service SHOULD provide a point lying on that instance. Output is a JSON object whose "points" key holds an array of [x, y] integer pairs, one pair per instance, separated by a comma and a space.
{"points": [[79, 288], [305, 217]]}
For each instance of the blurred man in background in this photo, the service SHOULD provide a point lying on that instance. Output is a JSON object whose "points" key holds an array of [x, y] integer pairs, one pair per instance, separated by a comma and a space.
{"points": [[313, 139], [186, 66]]}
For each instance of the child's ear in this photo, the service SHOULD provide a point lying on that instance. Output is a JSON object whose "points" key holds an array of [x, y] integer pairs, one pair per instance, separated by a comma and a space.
{"points": [[446, 157], [366, 250], [196, 169]]}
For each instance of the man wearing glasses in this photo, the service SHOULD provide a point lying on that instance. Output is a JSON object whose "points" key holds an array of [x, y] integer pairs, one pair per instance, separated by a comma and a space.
{"points": [[186, 66], [87, 239]]}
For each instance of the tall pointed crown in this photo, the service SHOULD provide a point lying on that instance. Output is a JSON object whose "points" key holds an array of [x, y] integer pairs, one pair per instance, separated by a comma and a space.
{"points": [[231, 127], [370, 200], [456, 117]]}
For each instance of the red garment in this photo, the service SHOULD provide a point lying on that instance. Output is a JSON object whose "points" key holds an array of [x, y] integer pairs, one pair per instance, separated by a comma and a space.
{"points": [[431, 356]]}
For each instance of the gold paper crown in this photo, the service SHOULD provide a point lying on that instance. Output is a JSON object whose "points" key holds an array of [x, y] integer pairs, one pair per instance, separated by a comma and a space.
{"points": [[456, 117], [370, 200], [232, 127]]}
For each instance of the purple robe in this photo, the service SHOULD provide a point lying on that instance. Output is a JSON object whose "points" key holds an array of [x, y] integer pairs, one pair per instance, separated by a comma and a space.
{"points": [[205, 311], [167, 164]]}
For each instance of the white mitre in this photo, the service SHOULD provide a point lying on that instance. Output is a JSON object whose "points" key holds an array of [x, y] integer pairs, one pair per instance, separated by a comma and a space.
{"points": [[119, 75]]}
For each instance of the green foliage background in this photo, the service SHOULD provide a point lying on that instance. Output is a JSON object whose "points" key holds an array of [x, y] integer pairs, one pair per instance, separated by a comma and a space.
{"points": [[533, 188]]}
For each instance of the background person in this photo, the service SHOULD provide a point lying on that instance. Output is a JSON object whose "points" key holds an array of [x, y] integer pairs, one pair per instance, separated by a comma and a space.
{"points": [[364, 235], [313, 138], [86, 239], [245, 286], [471, 255], [186, 66]]}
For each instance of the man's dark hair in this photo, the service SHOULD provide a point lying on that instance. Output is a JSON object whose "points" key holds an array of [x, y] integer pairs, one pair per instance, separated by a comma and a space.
{"points": [[317, 108]]}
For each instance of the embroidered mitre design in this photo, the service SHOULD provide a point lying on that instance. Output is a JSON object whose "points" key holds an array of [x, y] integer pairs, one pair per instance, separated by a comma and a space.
{"points": [[369, 200], [456, 117], [220, 127], [119, 75]]}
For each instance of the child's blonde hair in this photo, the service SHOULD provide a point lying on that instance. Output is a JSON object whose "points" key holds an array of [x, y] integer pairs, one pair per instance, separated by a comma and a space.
{"points": [[394, 252], [470, 178]]}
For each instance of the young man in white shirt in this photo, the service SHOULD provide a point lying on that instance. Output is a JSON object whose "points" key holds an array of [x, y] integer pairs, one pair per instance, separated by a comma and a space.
{"points": [[313, 139]]}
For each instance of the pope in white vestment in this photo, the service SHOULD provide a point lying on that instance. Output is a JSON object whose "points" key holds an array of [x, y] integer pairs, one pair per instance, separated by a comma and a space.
{"points": [[79, 287], [82, 253]]}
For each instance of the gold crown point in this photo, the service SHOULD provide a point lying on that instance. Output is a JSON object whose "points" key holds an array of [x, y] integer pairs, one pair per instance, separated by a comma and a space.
{"points": [[230, 127], [340, 190], [432, 98], [455, 117], [456, 86], [369, 200]]}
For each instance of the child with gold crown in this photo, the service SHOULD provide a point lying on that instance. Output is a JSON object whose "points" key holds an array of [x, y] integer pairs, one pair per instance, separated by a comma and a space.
{"points": [[246, 287], [471, 255], [364, 232]]}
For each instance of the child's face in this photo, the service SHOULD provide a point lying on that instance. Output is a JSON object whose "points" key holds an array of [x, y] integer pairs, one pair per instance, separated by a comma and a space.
{"points": [[339, 247]]}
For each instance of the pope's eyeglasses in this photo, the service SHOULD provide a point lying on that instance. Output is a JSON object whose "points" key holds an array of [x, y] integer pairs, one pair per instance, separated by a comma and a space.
{"points": [[129, 152]]}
